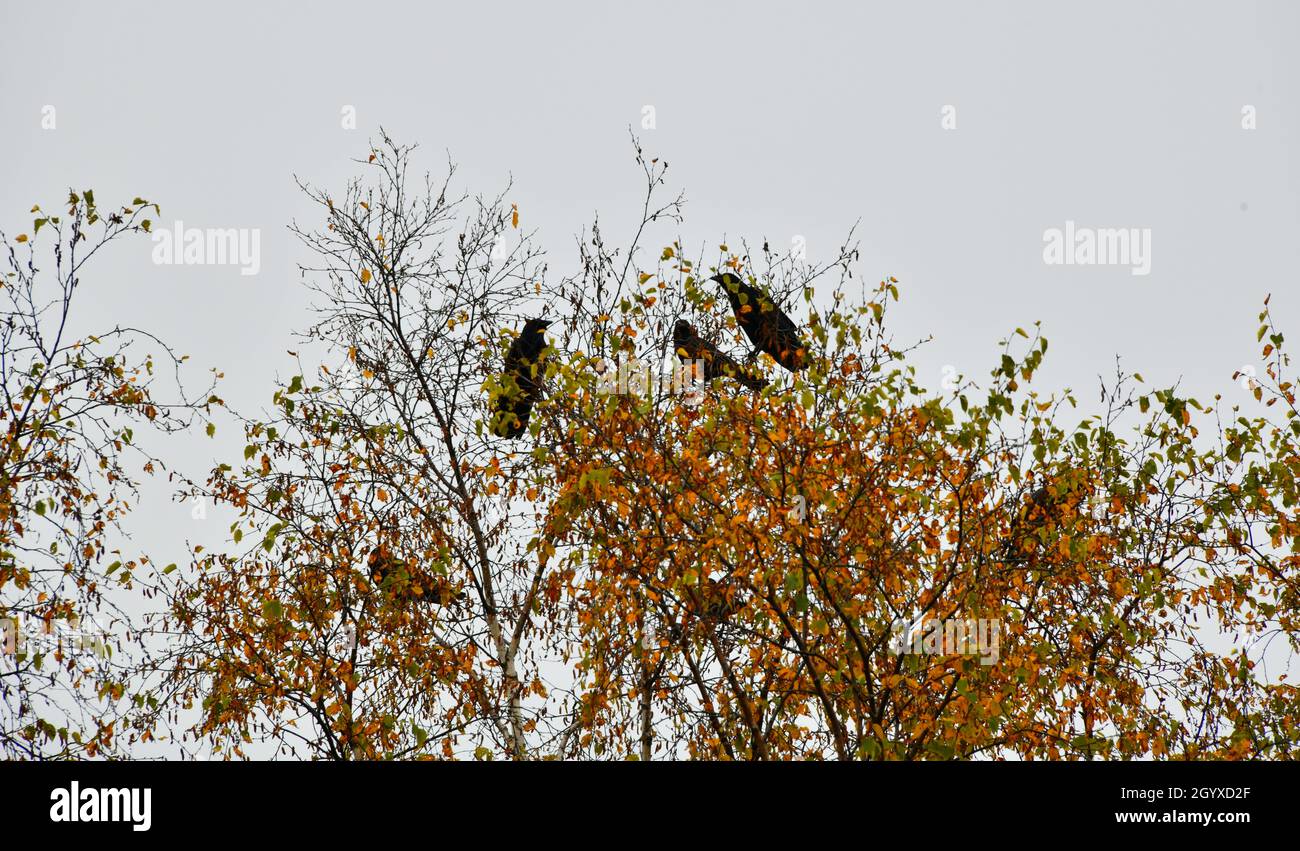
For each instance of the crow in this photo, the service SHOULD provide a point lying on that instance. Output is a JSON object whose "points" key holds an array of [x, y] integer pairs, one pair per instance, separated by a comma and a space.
{"points": [[1042, 509], [766, 326], [691, 347], [715, 600], [513, 405], [396, 577]]}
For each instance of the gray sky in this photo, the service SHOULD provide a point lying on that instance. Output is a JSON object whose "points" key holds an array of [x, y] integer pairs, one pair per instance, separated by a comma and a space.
{"points": [[777, 119]]}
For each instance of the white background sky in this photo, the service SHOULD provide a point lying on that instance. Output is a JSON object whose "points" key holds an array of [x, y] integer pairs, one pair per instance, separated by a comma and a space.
{"points": [[777, 119]]}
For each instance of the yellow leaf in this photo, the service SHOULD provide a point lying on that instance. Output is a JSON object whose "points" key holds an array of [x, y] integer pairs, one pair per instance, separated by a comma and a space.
{"points": [[365, 276], [22, 237], [514, 216]]}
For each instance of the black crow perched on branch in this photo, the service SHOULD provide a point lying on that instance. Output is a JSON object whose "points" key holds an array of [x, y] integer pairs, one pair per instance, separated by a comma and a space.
{"points": [[513, 405], [395, 577], [715, 600], [766, 326], [690, 346], [1047, 507]]}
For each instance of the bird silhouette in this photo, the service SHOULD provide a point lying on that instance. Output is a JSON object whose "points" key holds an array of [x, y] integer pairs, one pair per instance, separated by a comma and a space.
{"points": [[765, 324], [715, 600], [397, 579], [690, 346], [1044, 508], [523, 367]]}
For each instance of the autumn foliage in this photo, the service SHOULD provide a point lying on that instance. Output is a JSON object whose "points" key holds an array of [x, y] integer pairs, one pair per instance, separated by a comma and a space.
{"points": [[655, 569], [70, 463]]}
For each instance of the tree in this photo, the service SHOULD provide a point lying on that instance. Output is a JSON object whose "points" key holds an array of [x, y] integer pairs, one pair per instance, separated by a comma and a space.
{"points": [[842, 564], [389, 445], [751, 559], [850, 502], [68, 459]]}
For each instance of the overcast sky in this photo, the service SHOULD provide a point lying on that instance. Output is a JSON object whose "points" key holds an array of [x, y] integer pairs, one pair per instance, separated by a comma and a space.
{"points": [[778, 120]]}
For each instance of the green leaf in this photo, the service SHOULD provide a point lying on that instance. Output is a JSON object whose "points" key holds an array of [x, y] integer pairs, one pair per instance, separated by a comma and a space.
{"points": [[269, 541], [940, 750]]}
